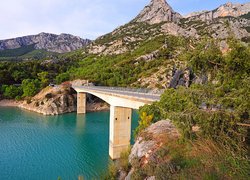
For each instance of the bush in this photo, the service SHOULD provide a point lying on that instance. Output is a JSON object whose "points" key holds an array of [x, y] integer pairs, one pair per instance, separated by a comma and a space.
{"points": [[144, 122], [112, 172], [11, 91], [30, 87], [123, 162]]}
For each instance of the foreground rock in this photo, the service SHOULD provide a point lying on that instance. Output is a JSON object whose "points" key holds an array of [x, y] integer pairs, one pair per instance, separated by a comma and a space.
{"points": [[145, 150]]}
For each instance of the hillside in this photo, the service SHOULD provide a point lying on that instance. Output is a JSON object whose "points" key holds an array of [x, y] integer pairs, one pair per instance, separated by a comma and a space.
{"points": [[143, 53], [148, 51]]}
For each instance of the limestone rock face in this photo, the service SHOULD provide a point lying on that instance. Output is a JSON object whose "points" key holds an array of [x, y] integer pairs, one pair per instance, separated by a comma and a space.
{"points": [[157, 11], [154, 133], [150, 141], [175, 30], [228, 9], [54, 43]]}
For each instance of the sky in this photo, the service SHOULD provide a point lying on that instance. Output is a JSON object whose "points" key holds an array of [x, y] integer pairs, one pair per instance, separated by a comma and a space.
{"points": [[85, 18]]}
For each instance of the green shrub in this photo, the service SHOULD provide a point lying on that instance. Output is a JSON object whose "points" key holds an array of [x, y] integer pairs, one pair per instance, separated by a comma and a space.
{"points": [[144, 122], [123, 162]]}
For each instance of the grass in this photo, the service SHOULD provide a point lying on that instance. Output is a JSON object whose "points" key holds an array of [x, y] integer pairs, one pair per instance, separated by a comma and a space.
{"points": [[200, 159]]}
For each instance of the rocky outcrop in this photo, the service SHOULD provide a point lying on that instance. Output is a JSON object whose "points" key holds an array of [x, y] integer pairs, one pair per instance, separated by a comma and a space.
{"points": [[157, 11], [54, 43], [149, 142], [228, 9], [151, 138], [175, 30], [61, 99], [52, 101]]}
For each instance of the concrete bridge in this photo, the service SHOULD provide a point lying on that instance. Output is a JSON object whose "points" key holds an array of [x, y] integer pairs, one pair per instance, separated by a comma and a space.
{"points": [[122, 101]]}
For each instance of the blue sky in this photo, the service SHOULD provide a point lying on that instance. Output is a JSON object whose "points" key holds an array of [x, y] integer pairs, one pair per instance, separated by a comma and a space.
{"points": [[84, 18]]}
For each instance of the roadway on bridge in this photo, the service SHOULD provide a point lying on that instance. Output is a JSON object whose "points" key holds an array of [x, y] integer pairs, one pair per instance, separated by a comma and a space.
{"points": [[126, 92]]}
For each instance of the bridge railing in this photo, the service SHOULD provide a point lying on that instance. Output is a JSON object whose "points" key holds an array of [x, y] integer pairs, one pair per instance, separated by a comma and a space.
{"points": [[124, 89]]}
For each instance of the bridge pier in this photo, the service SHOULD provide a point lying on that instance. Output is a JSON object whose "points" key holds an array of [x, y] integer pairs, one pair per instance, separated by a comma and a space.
{"points": [[119, 131], [81, 103]]}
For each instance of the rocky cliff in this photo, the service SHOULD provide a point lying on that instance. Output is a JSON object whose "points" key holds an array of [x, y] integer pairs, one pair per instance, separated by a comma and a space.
{"points": [[157, 11], [54, 43], [225, 10]]}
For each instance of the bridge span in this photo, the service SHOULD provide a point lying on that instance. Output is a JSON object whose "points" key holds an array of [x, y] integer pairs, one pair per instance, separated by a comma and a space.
{"points": [[122, 101]]}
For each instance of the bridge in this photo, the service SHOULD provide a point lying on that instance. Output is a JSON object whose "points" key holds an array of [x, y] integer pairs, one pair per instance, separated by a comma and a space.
{"points": [[122, 101]]}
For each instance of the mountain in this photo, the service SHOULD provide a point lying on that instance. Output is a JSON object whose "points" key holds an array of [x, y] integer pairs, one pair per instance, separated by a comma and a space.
{"points": [[158, 18], [44, 41], [146, 52], [157, 11], [225, 10]]}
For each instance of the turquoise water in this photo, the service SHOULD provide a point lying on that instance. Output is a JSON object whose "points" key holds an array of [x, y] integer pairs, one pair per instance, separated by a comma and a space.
{"points": [[36, 147]]}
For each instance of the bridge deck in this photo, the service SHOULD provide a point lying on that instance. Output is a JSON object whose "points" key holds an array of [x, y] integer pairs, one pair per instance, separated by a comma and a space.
{"points": [[140, 94]]}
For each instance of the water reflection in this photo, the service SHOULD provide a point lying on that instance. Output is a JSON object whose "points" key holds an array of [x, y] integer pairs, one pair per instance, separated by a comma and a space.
{"points": [[80, 124]]}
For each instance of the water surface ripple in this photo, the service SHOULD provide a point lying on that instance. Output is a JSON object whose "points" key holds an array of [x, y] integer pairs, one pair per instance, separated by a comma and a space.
{"points": [[36, 147]]}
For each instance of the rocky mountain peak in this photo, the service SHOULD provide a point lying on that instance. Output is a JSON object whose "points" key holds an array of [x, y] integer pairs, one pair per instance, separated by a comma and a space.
{"points": [[235, 10], [157, 11]]}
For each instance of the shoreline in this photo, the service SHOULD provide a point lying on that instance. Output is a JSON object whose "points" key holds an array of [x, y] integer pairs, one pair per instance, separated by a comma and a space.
{"points": [[10, 103], [94, 107]]}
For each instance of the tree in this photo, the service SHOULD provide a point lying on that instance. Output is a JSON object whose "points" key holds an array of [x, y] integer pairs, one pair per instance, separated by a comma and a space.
{"points": [[30, 87], [43, 76], [11, 91], [62, 77]]}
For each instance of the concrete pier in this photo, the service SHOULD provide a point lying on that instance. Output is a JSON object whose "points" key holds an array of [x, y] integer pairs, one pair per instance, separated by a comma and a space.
{"points": [[81, 103], [120, 130]]}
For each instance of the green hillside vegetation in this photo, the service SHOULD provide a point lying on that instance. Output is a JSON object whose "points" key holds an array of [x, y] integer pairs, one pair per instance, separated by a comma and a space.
{"points": [[36, 74], [220, 148], [123, 70], [24, 53], [17, 52], [218, 109]]}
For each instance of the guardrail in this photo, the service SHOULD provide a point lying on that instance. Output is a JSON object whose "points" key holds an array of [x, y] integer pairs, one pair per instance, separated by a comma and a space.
{"points": [[123, 89]]}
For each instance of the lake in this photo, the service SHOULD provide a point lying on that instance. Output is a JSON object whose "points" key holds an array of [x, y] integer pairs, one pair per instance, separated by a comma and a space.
{"points": [[37, 147]]}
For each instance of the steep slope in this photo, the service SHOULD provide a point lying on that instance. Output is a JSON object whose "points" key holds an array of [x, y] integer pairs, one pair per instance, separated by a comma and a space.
{"points": [[143, 53], [157, 11], [228, 9], [148, 25], [50, 42]]}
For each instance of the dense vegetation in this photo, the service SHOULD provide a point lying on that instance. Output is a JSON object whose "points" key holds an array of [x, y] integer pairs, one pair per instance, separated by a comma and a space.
{"points": [[25, 79], [123, 70], [26, 53], [219, 109], [115, 70]]}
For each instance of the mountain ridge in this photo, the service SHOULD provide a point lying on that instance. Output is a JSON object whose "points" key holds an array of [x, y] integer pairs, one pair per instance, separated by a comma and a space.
{"points": [[227, 9], [47, 41]]}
